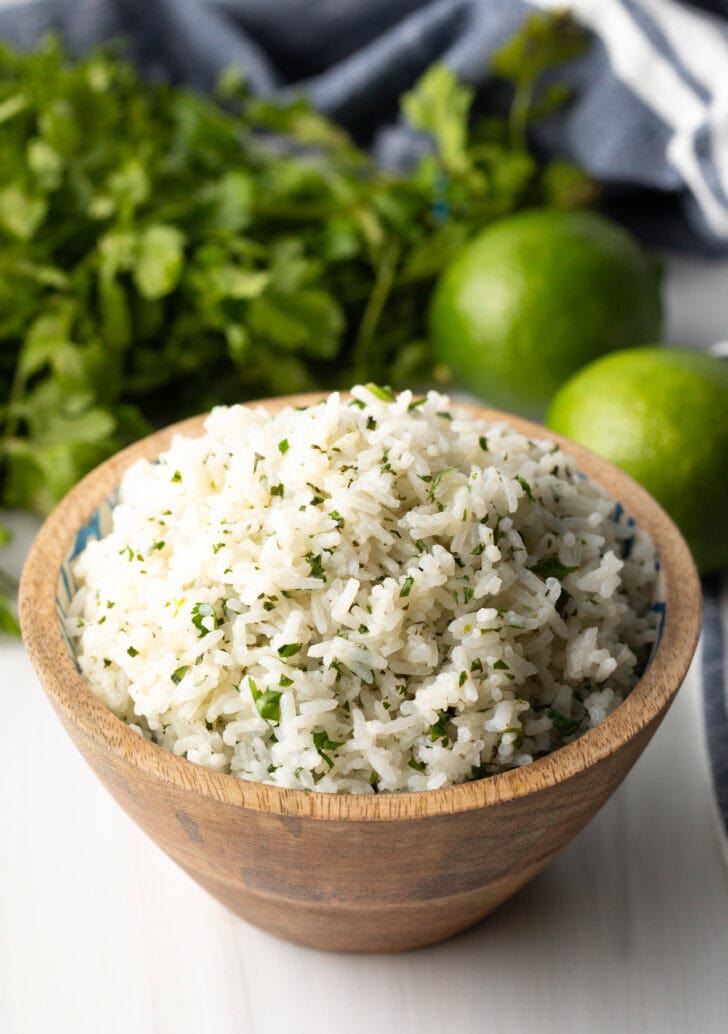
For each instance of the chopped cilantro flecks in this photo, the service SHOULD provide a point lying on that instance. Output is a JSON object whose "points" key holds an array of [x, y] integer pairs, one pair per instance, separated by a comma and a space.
{"points": [[322, 743], [566, 726], [132, 652], [416, 404], [277, 490], [407, 585], [501, 666], [483, 442], [437, 480], [314, 562], [382, 392], [267, 702], [289, 649], [158, 545], [285, 681], [176, 478], [419, 766], [336, 518], [445, 416], [202, 612], [525, 486], [179, 674], [107, 662], [371, 424], [478, 549], [468, 594], [551, 567], [283, 446], [438, 731]]}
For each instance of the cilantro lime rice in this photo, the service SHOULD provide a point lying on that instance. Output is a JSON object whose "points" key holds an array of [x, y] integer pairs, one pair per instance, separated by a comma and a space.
{"points": [[368, 594]]}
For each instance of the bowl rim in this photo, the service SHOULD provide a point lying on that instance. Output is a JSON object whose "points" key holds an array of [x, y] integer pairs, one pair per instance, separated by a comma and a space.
{"points": [[78, 707]]}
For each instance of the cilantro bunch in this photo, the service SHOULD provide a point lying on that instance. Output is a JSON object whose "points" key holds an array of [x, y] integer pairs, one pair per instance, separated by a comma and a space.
{"points": [[161, 252]]}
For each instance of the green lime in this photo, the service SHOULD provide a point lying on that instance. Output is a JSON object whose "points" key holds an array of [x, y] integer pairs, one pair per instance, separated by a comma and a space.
{"points": [[661, 414], [535, 297]]}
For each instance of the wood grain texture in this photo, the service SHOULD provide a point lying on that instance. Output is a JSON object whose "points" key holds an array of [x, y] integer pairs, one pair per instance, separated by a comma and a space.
{"points": [[375, 873]]}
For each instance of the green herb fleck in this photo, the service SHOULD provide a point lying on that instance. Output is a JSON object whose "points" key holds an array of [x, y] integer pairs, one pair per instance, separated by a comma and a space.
{"points": [[132, 652], [437, 480], [322, 743], [438, 731], [407, 585], [267, 702], [289, 649], [525, 486], [383, 392], [283, 446], [566, 726], [179, 674], [551, 567], [201, 612], [314, 562]]}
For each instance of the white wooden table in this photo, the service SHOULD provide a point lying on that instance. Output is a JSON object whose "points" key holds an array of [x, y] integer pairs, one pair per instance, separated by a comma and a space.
{"points": [[625, 933]]}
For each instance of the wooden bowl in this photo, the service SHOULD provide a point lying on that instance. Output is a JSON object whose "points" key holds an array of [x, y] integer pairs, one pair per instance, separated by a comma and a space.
{"points": [[338, 871]]}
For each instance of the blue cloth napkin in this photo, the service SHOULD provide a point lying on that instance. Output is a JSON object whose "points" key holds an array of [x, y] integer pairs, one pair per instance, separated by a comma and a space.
{"points": [[650, 119]]}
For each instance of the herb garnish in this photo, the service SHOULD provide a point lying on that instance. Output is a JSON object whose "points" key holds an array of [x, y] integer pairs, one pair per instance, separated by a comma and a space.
{"points": [[407, 585], [289, 649], [201, 613], [322, 743], [551, 567], [314, 562], [384, 392], [266, 702], [566, 726]]}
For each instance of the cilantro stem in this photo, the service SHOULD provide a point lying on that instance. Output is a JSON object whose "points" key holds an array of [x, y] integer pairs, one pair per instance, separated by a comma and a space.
{"points": [[368, 360]]}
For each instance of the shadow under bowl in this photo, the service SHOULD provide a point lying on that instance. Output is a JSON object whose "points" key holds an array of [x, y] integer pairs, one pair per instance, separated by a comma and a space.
{"points": [[383, 872]]}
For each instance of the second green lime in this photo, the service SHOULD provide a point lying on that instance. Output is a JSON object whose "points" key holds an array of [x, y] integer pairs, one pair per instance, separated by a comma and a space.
{"points": [[535, 297]]}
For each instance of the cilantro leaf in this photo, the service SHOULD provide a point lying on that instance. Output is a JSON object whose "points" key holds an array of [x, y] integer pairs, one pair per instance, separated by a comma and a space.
{"points": [[322, 743], [551, 567]]}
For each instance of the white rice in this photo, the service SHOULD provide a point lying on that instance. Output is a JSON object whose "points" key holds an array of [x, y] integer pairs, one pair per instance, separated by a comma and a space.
{"points": [[362, 596]]}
